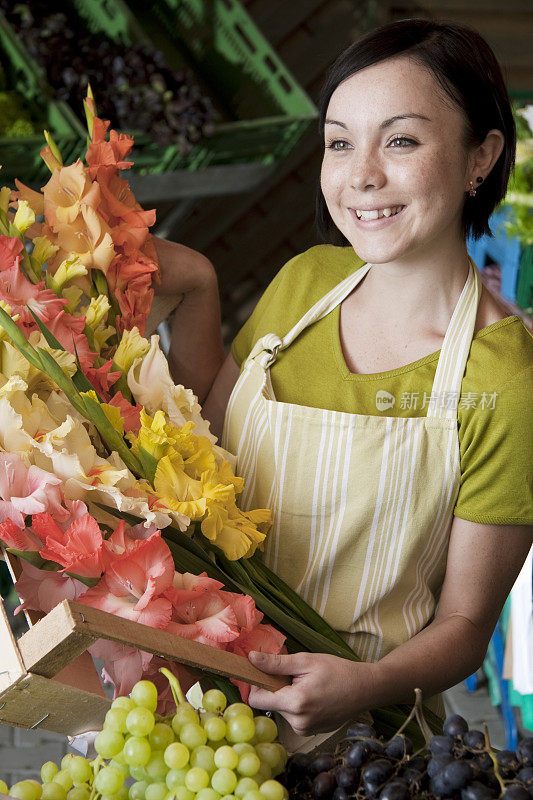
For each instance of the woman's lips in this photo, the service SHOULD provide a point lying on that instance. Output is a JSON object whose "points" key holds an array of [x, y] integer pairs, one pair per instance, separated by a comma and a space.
{"points": [[375, 224]]}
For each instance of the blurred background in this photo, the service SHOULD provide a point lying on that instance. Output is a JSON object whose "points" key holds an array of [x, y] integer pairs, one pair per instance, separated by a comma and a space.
{"points": [[221, 96]]}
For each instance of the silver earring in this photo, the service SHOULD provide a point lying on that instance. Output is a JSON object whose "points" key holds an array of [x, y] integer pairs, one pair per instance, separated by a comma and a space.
{"points": [[472, 190]]}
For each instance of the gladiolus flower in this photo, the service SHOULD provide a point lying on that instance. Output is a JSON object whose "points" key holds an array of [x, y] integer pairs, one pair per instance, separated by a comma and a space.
{"points": [[151, 385], [132, 346], [43, 249], [19, 538], [66, 191], [10, 249], [134, 580], [78, 549], [41, 589], [124, 665], [96, 313], [131, 414], [27, 490], [89, 238], [24, 218]]}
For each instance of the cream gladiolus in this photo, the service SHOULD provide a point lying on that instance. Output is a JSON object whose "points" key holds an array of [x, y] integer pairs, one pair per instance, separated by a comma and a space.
{"points": [[69, 269], [96, 311], [152, 387], [43, 249], [132, 347], [24, 217]]}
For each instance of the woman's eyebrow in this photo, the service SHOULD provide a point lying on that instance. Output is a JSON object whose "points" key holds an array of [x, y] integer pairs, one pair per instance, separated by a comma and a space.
{"points": [[385, 124]]}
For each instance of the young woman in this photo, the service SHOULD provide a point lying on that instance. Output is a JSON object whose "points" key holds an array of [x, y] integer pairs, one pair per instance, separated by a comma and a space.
{"points": [[379, 400]]}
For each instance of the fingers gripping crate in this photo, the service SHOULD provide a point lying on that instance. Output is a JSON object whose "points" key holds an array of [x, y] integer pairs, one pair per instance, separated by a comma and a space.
{"points": [[39, 686]]}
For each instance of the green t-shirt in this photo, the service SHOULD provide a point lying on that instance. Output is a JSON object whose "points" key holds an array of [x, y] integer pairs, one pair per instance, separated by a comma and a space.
{"points": [[495, 412]]}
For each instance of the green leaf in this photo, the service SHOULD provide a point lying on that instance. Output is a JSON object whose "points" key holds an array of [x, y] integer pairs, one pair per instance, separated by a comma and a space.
{"points": [[31, 556], [19, 340], [79, 379], [52, 368], [110, 436], [305, 611], [149, 463]]}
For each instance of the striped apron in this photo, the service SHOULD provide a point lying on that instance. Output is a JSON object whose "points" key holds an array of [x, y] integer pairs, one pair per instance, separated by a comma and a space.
{"points": [[362, 505]]}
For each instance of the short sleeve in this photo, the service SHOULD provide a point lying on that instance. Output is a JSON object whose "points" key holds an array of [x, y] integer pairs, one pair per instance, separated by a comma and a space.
{"points": [[496, 448], [266, 308]]}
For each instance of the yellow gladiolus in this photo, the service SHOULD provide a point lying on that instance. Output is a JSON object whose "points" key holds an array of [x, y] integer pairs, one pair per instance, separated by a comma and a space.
{"points": [[43, 249], [132, 346], [68, 269], [24, 217], [152, 435], [97, 311]]}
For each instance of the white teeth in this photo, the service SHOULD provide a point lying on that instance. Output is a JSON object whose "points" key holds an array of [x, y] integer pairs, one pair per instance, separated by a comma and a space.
{"points": [[375, 214]]}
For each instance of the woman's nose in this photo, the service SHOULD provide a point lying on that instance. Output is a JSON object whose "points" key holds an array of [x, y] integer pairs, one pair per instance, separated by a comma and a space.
{"points": [[366, 172]]}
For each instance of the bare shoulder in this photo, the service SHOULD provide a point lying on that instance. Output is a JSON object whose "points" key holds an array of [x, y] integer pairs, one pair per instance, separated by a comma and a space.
{"points": [[491, 309]]}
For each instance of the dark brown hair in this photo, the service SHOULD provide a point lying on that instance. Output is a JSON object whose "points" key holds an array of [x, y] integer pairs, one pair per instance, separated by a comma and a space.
{"points": [[468, 72]]}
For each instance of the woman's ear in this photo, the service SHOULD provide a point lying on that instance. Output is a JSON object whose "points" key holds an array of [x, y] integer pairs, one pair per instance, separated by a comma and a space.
{"points": [[486, 155]]}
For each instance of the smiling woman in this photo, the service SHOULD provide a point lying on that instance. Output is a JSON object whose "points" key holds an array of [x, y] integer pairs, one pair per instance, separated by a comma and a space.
{"points": [[384, 406]]}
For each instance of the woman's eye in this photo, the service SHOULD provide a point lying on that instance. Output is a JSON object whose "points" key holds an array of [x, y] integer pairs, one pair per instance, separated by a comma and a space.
{"points": [[333, 144], [401, 139]]}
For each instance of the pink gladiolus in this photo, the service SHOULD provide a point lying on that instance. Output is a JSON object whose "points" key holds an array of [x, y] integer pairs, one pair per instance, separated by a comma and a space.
{"points": [[27, 490], [22, 295], [79, 549], [18, 538], [123, 665], [131, 414], [10, 250], [208, 619], [41, 590], [102, 378], [137, 572]]}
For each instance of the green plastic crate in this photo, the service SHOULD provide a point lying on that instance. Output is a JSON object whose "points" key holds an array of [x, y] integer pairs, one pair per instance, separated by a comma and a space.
{"points": [[20, 156], [263, 109]]}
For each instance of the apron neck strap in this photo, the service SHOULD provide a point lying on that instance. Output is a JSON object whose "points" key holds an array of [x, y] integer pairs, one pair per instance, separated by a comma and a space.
{"points": [[451, 367], [266, 349], [453, 355]]}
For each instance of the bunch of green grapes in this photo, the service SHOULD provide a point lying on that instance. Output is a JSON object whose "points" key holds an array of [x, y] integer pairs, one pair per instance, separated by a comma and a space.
{"points": [[215, 753]]}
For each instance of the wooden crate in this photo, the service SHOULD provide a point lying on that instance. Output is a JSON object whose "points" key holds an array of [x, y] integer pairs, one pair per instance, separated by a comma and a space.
{"points": [[36, 688]]}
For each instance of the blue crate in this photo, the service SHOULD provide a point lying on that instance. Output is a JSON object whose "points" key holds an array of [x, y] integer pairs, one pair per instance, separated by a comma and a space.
{"points": [[502, 250]]}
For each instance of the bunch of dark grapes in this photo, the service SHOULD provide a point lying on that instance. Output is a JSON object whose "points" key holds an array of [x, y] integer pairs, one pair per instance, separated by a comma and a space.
{"points": [[458, 765], [133, 86]]}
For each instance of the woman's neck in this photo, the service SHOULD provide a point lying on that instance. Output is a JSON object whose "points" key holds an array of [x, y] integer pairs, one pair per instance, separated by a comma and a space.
{"points": [[420, 293]]}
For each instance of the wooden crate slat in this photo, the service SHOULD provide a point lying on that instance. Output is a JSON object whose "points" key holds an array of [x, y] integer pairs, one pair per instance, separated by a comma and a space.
{"points": [[51, 642], [13, 668], [55, 706]]}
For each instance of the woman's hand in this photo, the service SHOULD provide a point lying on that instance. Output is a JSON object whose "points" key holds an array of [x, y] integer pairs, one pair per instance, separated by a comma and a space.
{"points": [[326, 691]]}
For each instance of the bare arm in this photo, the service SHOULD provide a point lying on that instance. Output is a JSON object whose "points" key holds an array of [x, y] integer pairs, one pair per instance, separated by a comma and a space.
{"points": [[196, 350], [483, 563], [214, 408]]}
